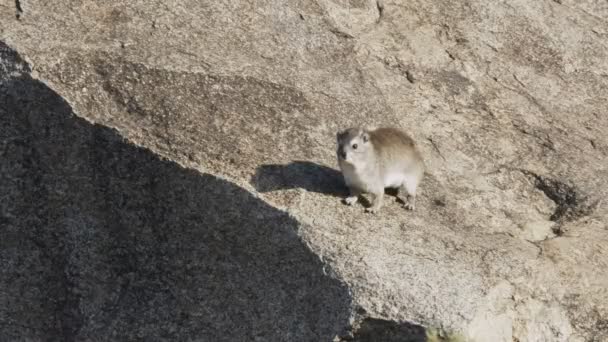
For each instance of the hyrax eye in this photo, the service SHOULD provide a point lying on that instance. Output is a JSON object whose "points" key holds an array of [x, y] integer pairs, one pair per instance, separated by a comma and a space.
{"points": [[355, 146]]}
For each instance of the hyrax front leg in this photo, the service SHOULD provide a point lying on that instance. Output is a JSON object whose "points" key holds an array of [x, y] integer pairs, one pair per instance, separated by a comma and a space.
{"points": [[407, 192], [376, 202], [353, 196], [409, 202]]}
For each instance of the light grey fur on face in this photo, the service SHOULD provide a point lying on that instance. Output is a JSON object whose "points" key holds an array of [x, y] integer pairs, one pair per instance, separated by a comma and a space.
{"points": [[372, 160]]}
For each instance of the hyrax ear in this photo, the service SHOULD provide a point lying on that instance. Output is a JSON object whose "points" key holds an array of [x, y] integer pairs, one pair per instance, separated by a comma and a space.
{"points": [[365, 136], [339, 135]]}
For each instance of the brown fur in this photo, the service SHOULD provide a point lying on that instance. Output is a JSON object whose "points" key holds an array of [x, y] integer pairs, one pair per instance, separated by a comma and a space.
{"points": [[391, 143]]}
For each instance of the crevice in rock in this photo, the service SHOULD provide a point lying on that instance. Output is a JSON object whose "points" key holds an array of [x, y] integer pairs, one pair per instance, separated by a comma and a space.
{"points": [[398, 66], [542, 137], [439, 202], [452, 57], [410, 77], [492, 47], [519, 81], [434, 144], [523, 93], [380, 8], [18, 9], [341, 34], [570, 204]]}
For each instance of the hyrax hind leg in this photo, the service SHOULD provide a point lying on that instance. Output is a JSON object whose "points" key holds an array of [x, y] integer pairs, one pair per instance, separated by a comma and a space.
{"points": [[407, 191]]}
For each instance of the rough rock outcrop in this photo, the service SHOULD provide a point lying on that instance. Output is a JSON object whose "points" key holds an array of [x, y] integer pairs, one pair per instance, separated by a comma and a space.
{"points": [[104, 240], [168, 170]]}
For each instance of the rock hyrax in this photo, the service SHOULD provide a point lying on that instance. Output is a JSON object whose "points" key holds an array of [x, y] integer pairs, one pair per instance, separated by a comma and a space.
{"points": [[372, 160]]}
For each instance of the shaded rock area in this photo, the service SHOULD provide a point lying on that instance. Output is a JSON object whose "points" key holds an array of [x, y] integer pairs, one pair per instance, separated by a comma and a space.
{"points": [[388, 331], [168, 170], [103, 240]]}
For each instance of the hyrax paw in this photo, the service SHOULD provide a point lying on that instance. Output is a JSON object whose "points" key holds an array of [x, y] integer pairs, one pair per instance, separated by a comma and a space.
{"points": [[350, 200], [372, 210], [409, 206]]}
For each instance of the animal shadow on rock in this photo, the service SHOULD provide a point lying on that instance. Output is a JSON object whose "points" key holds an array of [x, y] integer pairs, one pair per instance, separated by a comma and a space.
{"points": [[105, 241], [300, 174], [309, 176]]}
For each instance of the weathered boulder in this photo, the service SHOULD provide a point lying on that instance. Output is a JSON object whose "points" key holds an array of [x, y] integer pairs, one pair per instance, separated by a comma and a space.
{"points": [[168, 170]]}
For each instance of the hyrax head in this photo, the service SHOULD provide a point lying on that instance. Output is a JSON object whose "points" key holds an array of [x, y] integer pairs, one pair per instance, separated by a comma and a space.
{"points": [[353, 145]]}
